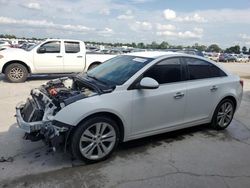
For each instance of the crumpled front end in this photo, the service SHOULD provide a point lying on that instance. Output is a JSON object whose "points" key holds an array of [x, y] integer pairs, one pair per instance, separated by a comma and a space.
{"points": [[36, 115]]}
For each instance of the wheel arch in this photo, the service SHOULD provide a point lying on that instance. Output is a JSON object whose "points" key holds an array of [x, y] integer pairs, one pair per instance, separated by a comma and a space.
{"points": [[15, 61], [232, 98], [94, 63], [113, 116]]}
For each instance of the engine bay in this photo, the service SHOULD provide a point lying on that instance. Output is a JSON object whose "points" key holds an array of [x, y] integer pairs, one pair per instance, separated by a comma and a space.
{"points": [[54, 95], [64, 91]]}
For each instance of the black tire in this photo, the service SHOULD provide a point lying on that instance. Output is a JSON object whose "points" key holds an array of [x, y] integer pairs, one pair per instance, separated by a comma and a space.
{"points": [[215, 124], [93, 65], [21, 73], [87, 125]]}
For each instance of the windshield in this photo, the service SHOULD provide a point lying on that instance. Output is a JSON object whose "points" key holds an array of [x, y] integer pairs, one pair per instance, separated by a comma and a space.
{"points": [[31, 47], [118, 70]]}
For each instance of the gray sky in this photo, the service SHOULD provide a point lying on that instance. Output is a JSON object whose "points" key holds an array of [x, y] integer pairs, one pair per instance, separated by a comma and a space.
{"points": [[177, 22]]}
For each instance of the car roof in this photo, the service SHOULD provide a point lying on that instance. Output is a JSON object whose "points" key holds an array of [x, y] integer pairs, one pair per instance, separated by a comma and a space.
{"points": [[153, 54]]}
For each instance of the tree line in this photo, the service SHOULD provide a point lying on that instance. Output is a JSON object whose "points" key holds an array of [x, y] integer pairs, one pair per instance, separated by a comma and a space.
{"points": [[154, 45]]}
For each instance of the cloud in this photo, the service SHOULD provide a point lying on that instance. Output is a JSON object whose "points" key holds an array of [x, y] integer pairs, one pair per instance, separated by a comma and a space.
{"points": [[106, 32], [197, 33], [141, 1], [127, 16], [245, 38], [3, 1], [193, 18], [141, 26], [171, 15], [35, 6], [44, 24], [231, 16], [165, 27], [105, 11]]}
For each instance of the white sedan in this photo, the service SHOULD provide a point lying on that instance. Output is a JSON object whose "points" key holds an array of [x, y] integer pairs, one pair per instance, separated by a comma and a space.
{"points": [[129, 97]]}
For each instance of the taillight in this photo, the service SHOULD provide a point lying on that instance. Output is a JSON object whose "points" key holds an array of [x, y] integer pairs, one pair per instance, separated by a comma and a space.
{"points": [[241, 83]]}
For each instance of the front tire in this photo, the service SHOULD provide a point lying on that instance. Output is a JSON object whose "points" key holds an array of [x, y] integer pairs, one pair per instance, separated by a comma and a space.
{"points": [[223, 114], [95, 139], [16, 73]]}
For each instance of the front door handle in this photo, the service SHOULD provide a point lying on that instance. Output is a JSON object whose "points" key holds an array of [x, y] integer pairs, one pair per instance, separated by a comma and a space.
{"points": [[79, 56], [179, 95], [59, 56], [214, 88]]}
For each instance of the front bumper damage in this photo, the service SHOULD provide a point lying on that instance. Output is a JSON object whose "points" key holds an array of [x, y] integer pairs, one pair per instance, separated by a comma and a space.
{"points": [[38, 123], [29, 127], [37, 115]]}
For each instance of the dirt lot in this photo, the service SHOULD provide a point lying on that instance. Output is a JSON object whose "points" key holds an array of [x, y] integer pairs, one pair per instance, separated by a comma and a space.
{"points": [[195, 157]]}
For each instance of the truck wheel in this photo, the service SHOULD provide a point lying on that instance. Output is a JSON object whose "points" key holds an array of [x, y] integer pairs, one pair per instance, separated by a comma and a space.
{"points": [[16, 73], [95, 139]]}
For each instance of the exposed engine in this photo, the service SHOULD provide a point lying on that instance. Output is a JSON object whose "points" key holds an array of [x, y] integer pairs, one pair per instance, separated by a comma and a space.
{"points": [[53, 96], [36, 115]]}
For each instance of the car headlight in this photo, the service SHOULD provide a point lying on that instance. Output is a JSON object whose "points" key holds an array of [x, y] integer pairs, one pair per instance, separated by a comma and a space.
{"points": [[1, 56]]}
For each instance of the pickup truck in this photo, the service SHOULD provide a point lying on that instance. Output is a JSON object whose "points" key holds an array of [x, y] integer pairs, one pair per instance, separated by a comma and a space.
{"points": [[52, 56]]}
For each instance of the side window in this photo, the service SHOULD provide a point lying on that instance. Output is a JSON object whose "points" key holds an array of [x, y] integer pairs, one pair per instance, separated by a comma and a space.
{"points": [[52, 47], [167, 71], [72, 47], [216, 72], [199, 69]]}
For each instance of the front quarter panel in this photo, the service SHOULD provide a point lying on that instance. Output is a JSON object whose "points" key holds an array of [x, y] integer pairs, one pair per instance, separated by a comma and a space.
{"points": [[117, 103]]}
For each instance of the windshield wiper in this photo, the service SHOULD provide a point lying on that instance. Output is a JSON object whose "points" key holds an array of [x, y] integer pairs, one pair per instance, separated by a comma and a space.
{"points": [[93, 77]]}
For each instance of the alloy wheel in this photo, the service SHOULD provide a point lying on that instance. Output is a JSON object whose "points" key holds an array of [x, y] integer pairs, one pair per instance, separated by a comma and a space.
{"points": [[225, 114], [97, 141], [16, 73]]}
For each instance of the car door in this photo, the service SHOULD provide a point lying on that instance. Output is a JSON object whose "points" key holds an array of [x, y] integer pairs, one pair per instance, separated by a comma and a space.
{"points": [[49, 58], [74, 57], [201, 89], [154, 110]]}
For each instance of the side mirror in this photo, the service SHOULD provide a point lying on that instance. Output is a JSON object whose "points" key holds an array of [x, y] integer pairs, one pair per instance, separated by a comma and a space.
{"points": [[41, 50], [148, 83]]}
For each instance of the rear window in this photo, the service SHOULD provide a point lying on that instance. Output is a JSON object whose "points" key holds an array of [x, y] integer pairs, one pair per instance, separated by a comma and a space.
{"points": [[200, 69], [72, 47]]}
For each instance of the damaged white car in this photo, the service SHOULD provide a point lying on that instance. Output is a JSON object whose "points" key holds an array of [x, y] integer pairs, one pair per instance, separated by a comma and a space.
{"points": [[129, 97]]}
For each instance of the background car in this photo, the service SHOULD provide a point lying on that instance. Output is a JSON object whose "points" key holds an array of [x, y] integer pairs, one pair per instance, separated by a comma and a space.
{"points": [[5, 44], [227, 58]]}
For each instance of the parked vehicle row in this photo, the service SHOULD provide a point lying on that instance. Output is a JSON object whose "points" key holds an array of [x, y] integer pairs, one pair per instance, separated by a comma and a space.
{"points": [[186, 51], [225, 57]]}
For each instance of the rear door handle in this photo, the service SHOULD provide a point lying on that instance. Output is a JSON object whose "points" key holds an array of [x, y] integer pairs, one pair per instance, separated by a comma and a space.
{"points": [[214, 88], [79, 56], [179, 95], [59, 56]]}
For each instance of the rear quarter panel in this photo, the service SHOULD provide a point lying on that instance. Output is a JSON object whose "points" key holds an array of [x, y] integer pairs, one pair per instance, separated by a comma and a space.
{"points": [[228, 86]]}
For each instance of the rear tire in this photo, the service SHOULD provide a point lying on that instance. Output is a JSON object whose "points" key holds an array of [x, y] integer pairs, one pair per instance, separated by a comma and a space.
{"points": [[16, 73], [223, 114], [95, 139]]}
